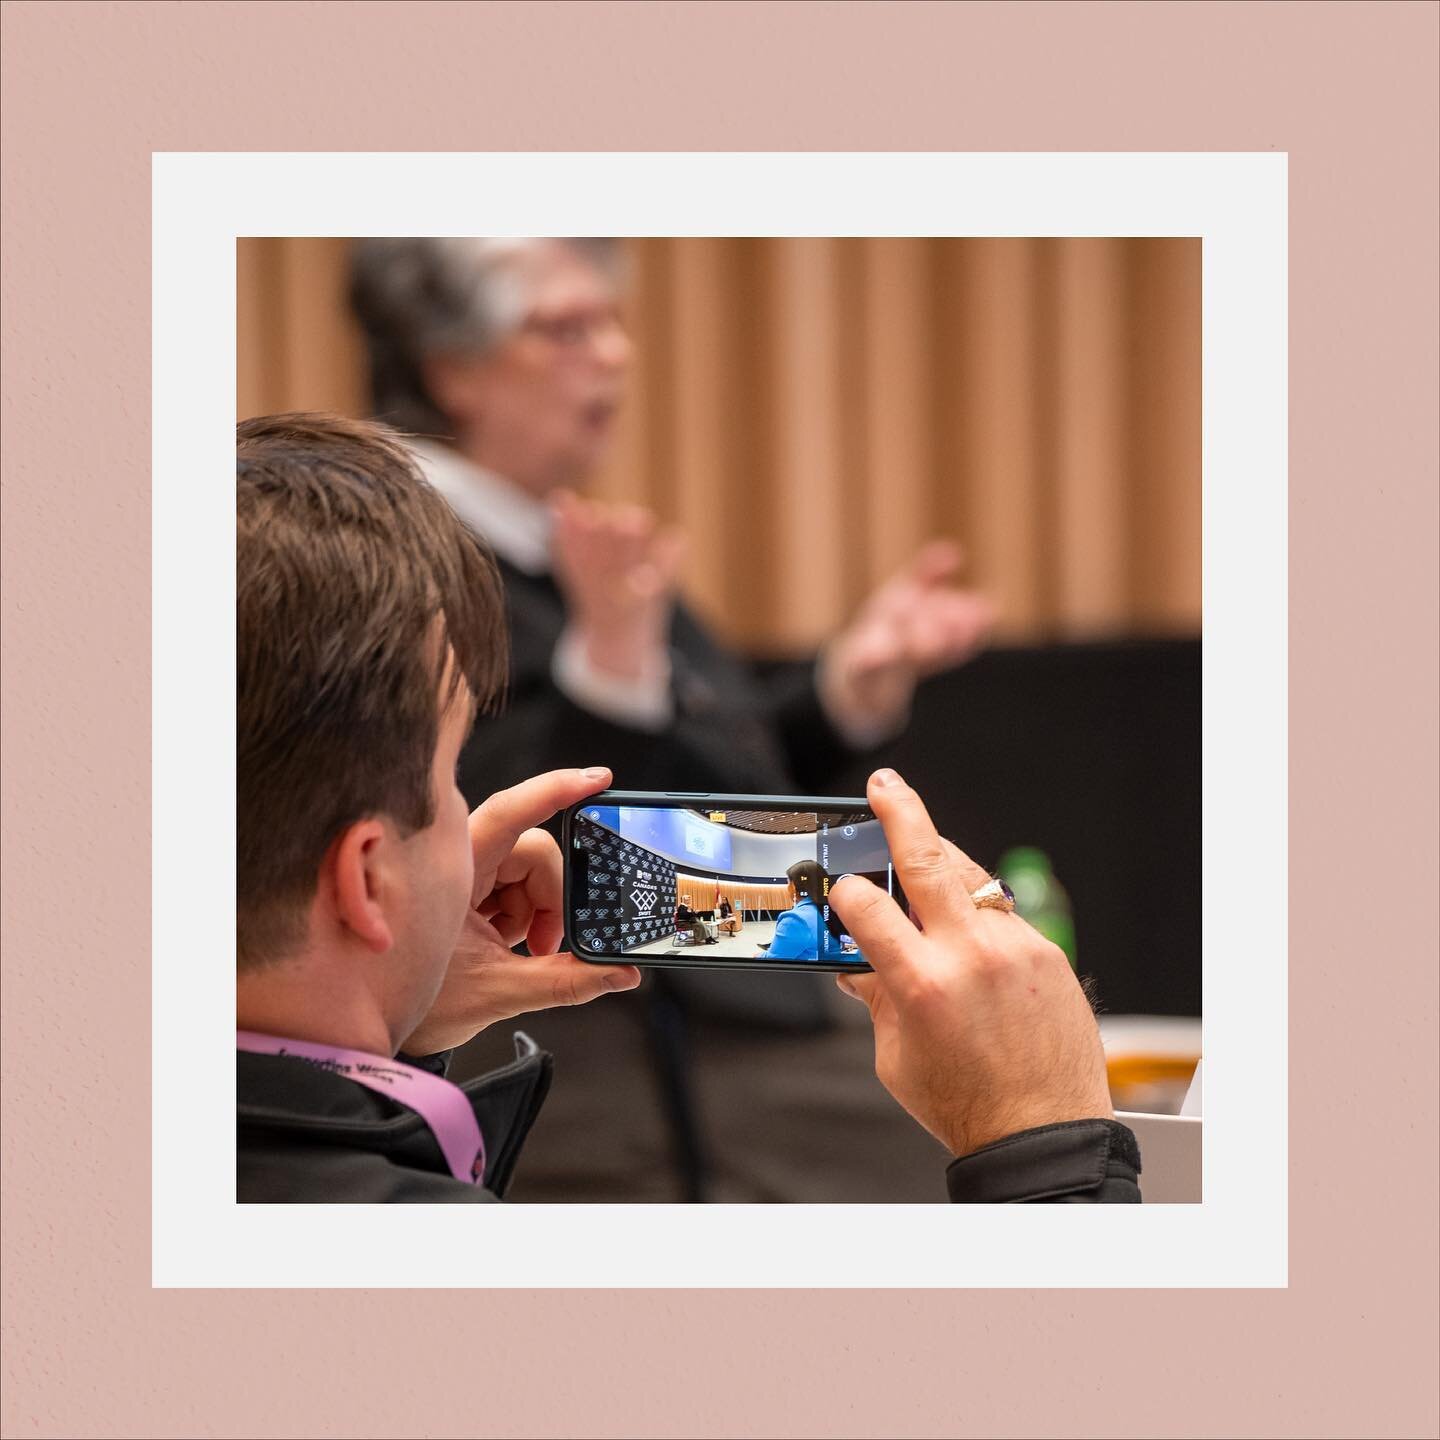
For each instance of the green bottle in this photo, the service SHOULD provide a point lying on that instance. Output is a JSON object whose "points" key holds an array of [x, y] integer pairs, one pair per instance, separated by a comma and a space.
{"points": [[1039, 897]]}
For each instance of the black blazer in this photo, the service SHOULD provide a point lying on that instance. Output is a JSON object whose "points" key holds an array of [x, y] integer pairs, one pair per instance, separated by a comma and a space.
{"points": [[731, 729]]}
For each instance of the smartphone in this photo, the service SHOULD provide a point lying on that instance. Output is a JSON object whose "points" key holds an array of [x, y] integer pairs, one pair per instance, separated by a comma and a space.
{"points": [[709, 881]]}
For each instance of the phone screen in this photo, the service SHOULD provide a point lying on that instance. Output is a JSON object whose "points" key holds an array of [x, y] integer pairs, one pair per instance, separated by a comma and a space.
{"points": [[720, 882]]}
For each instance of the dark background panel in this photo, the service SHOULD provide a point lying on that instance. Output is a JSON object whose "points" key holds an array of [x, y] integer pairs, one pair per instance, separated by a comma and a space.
{"points": [[1091, 752]]}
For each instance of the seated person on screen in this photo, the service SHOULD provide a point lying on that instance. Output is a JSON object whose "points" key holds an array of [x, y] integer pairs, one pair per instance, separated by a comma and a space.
{"points": [[729, 922], [687, 919], [797, 930]]}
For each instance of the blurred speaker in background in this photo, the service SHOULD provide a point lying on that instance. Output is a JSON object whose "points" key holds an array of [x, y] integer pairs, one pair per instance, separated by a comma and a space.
{"points": [[509, 360]]}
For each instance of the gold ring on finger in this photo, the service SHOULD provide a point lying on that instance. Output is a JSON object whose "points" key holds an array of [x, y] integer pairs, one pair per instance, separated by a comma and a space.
{"points": [[994, 895]]}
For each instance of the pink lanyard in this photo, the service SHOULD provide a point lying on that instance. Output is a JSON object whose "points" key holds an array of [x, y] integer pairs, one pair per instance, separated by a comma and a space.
{"points": [[440, 1104]]}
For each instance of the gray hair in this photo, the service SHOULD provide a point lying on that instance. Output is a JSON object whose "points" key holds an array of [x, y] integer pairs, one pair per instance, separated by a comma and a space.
{"points": [[420, 297]]}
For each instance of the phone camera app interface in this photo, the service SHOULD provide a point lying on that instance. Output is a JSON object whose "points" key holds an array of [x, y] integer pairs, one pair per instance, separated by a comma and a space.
{"points": [[746, 884]]}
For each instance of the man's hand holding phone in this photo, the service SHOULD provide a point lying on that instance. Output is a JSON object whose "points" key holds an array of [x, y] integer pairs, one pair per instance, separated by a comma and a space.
{"points": [[981, 1028], [516, 895]]}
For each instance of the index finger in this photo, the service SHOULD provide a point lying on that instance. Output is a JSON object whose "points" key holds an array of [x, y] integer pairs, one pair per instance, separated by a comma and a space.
{"points": [[935, 878], [501, 820], [887, 938]]}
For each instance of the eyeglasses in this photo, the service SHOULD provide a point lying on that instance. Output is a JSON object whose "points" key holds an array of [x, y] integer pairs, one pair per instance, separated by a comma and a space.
{"points": [[573, 328]]}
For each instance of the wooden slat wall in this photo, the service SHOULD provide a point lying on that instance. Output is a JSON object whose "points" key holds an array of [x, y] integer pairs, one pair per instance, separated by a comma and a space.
{"points": [[699, 894], [812, 410]]}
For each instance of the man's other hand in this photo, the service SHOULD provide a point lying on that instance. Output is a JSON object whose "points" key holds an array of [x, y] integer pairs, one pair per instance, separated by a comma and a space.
{"points": [[518, 895], [617, 568], [916, 624], [981, 1028]]}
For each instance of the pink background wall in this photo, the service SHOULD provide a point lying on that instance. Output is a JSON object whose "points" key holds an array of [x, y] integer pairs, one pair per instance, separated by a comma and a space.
{"points": [[91, 90]]}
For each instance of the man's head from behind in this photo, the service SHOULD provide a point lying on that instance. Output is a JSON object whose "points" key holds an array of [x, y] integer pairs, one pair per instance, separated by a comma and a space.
{"points": [[369, 626]]}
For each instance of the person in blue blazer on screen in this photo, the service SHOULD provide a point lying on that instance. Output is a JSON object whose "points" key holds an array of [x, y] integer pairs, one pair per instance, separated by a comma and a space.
{"points": [[798, 930]]}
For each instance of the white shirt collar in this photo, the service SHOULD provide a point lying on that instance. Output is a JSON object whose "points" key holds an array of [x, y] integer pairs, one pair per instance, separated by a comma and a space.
{"points": [[516, 524]]}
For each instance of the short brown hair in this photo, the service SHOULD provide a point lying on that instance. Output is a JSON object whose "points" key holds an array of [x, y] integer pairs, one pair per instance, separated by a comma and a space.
{"points": [[357, 593]]}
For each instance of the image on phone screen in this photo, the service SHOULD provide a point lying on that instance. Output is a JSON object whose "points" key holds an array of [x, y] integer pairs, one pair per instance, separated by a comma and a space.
{"points": [[725, 884]]}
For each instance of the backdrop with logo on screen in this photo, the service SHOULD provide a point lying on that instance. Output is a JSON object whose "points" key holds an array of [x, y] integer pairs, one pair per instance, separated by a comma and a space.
{"points": [[629, 899]]}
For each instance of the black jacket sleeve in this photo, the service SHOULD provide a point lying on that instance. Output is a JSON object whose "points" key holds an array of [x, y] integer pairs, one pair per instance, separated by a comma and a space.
{"points": [[1077, 1162], [542, 729], [732, 729], [814, 748], [719, 738]]}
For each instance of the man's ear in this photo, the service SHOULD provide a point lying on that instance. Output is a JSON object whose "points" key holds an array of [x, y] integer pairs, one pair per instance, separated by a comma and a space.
{"points": [[359, 884]]}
